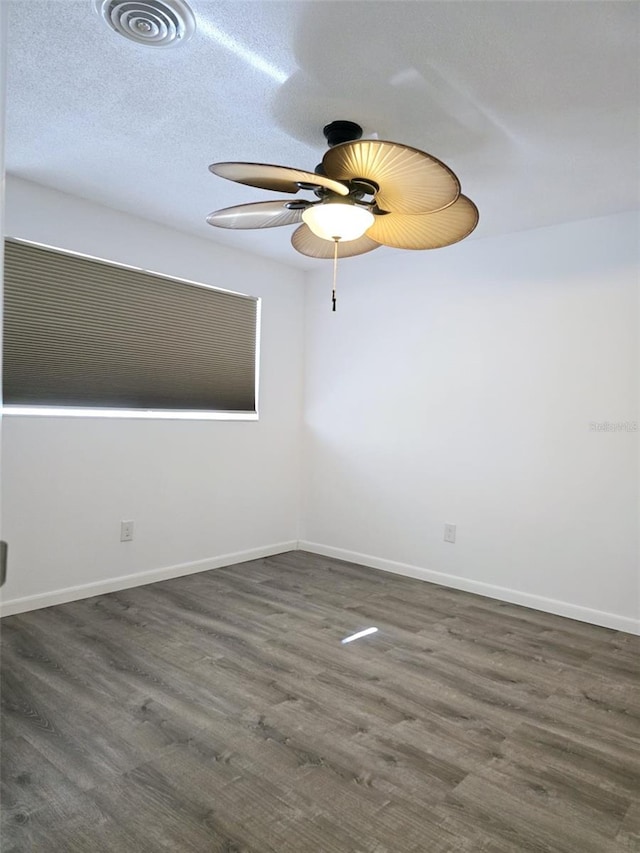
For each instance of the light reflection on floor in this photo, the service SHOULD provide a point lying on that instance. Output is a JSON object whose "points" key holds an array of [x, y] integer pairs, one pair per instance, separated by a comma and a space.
{"points": [[358, 635]]}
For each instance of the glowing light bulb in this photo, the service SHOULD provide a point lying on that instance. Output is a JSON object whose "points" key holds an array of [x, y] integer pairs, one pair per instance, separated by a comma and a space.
{"points": [[338, 221]]}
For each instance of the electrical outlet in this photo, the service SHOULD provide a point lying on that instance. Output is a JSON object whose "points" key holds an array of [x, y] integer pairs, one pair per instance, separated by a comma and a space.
{"points": [[126, 531], [450, 533]]}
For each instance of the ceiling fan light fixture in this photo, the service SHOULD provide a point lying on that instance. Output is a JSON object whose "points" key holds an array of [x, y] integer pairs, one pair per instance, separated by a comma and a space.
{"points": [[371, 193], [337, 220]]}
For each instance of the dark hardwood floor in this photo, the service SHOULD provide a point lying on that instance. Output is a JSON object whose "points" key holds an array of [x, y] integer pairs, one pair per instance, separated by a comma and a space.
{"points": [[220, 712]]}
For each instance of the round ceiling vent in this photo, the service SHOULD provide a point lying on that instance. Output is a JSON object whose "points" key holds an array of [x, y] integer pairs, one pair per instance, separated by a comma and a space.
{"points": [[157, 23]]}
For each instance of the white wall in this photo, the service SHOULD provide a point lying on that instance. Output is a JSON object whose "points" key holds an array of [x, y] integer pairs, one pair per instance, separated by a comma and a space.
{"points": [[3, 78], [458, 386], [450, 386], [197, 490]]}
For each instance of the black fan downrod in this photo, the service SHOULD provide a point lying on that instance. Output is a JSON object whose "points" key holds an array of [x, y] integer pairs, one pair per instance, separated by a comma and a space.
{"points": [[341, 131], [336, 132]]}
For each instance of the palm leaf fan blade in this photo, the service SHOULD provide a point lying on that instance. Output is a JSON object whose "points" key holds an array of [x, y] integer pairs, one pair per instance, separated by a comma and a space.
{"points": [[409, 180], [277, 178], [426, 231], [261, 214], [305, 241]]}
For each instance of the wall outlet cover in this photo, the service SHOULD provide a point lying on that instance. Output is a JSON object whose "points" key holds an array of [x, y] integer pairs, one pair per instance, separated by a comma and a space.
{"points": [[126, 531], [450, 533]]}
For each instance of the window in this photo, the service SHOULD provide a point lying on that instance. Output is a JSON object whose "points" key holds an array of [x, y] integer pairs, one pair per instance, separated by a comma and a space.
{"points": [[89, 337]]}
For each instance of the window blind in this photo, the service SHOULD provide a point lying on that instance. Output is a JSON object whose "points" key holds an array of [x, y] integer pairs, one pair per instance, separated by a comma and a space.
{"points": [[87, 333]]}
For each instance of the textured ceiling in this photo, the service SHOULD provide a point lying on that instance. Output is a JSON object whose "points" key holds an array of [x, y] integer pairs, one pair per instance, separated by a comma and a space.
{"points": [[535, 105]]}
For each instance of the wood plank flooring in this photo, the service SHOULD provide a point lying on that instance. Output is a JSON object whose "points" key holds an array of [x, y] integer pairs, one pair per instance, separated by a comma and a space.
{"points": [[220, 712]]}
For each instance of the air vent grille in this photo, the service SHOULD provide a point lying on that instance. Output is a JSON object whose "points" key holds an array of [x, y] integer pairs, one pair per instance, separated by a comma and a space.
{"points": [[156, 23]]}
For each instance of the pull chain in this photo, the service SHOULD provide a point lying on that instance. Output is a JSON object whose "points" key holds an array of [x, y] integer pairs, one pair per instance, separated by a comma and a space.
{"points": [[335, 271]]}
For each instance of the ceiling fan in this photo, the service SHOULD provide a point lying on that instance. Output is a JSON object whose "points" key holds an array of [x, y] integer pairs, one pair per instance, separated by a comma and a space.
{"points": [[368, 193]]}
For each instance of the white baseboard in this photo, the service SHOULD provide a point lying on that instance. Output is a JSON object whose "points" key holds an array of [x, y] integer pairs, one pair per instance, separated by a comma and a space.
{"points": [[526, 599], [73, 593]]}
